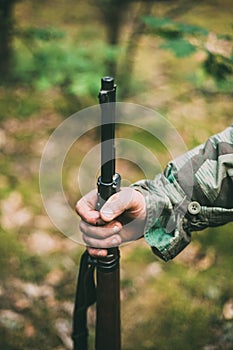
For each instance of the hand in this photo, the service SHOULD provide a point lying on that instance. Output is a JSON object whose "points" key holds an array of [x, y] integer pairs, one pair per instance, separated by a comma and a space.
{"points": [[121, 219]]}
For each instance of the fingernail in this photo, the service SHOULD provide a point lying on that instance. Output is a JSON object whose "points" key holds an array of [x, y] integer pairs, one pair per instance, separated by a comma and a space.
{"points": [[115, 242], [101, 253], [99, 222], [107, 212], [116, 229]]}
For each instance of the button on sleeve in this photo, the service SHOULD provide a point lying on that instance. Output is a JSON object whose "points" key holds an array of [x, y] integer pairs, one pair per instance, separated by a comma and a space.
{"points": [[194, 208]]}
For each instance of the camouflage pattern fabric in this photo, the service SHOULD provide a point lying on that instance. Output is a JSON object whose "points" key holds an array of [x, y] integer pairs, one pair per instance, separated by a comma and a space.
{"points": [[195, 192]]}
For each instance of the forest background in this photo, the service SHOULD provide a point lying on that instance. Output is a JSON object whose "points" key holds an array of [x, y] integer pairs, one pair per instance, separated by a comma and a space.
{"points": [[174, 57]]}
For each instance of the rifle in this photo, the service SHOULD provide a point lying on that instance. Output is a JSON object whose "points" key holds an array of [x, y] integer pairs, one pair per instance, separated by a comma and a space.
{"points": [[106, 293]]}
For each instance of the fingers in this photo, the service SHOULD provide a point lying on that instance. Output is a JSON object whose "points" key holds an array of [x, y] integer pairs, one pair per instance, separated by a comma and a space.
{"points": [[127, 199], [97, 252], [100, 232], [111, 235], [113, 241], [101, 236], [85, 208], [109, 228]]}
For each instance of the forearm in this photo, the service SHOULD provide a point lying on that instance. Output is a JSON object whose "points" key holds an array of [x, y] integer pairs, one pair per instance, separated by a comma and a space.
{"points": [[195, 192]]}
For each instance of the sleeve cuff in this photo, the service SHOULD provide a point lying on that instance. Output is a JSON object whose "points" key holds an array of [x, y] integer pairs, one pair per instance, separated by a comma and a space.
{"points": [[166, 204]]}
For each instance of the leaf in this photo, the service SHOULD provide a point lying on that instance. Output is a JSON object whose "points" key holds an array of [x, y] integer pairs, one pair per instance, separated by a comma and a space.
{"points": [[167, 24], [164, 27], [226, 37], [180, 47], [218, 66], [157, 22], [191, 29], [43, 34]]}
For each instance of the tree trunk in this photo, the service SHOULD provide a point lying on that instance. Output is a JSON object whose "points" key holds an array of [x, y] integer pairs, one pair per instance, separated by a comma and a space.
{"points": [[138, 27], [6, 33], [112, 14]]}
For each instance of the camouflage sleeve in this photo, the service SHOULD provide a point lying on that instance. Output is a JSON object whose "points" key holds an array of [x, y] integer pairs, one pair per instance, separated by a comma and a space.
{"points": [[194, 192]]}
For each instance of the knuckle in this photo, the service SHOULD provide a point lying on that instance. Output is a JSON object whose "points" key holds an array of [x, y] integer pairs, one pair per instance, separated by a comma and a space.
{"points": [[78, 206], [82, 226], [85, 240]]}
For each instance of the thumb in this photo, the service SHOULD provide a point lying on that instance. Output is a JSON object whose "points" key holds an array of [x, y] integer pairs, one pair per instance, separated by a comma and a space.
{"points": [[116, 205]]}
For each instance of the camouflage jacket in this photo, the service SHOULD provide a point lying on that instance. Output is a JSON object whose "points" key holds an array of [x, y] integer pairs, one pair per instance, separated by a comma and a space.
{"points": [[194, 192]]}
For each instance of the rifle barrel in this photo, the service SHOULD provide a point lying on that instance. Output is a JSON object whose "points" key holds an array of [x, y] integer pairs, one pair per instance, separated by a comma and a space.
{"points": [[107, 99]]}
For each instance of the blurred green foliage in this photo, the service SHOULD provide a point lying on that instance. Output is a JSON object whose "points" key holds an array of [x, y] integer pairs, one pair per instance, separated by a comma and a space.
{"points": [[56, 63], [14, 256], [185, 39], [168, 28]]}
